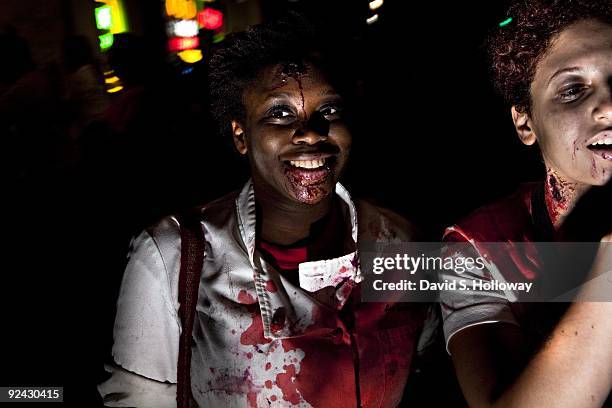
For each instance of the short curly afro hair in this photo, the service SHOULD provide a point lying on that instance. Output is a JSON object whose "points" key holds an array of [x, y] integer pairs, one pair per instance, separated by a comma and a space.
{"points": [[293, 39], [516, 49]]}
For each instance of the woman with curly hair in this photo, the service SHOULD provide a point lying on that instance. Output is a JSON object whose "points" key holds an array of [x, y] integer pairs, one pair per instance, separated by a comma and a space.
{"points": [[553, 65]]}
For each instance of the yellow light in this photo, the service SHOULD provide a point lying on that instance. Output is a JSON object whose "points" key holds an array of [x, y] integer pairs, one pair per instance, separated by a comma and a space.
{"points": [[111, 80], [190, 56], [181, 9], [119, 23], [374, 4], [372, 19], [115, 89]]}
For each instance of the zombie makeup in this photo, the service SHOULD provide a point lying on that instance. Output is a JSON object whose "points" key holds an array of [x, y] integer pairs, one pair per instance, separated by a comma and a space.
{"points": [[571, 114], [297, 140], [559, 194]]}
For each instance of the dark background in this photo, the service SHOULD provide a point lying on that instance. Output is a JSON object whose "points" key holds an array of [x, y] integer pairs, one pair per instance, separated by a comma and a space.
{"points": [[433, 143]]}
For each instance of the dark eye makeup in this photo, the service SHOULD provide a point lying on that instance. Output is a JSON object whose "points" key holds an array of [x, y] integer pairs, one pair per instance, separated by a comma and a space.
{"points": [[571, 92], [279, 112]]}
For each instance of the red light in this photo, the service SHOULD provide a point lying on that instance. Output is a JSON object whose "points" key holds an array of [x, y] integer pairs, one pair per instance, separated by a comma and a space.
{"points": [[183, 43], [210, 19]]}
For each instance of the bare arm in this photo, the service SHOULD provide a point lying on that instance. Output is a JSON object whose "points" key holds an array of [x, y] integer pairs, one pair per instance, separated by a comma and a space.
{"points": [[573, 368]]}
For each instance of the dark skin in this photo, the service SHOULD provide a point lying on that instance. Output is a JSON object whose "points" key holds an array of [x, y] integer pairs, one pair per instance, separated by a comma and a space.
{"points": [[298, 145]]}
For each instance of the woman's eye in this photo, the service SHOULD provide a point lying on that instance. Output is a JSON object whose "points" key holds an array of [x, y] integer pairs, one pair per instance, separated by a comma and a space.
{"points": [[330, 111], [572, 93], [280, 112]]}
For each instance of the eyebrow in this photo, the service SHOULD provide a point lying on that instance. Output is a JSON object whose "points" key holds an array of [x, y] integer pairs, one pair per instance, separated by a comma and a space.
{"points": [[563, 71], [328, 92], [275, 95]]}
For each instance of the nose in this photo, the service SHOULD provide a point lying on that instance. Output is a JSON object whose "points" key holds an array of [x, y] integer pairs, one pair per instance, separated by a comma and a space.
{"points": [[307, 135], [313, 130], [603, 111]]}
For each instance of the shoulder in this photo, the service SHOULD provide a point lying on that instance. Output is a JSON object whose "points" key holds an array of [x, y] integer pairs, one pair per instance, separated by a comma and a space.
{"points": [[168, 229], [160, 243], [506, 219], [147, 306], [380, 223]]}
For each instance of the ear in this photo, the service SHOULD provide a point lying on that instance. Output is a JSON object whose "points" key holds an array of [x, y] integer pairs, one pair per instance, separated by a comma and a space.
{"points": [[239, 137], [524, 126]]}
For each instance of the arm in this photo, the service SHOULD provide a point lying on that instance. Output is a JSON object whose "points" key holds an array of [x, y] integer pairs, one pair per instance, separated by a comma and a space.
{"points": [[127, 389], [147, 329], [573, 368]]}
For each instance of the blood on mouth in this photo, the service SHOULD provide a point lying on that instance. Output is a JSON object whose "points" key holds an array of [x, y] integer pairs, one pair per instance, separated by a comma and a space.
{"points": [[308, 184], [602, 148]]}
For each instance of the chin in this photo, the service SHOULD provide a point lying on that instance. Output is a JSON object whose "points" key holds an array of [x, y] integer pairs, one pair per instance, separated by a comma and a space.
{"points": [[311, 195], [605, 179]]}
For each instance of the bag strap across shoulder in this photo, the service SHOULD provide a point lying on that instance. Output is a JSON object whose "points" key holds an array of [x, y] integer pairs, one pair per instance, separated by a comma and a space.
{"points": [[192, 260]]}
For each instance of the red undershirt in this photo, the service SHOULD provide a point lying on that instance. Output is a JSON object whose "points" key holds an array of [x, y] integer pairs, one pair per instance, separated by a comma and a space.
{"points": [[326, 241]]}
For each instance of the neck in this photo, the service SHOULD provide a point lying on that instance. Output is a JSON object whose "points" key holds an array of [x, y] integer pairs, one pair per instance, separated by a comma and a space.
{"points": [[284, 221], [561, 196]]}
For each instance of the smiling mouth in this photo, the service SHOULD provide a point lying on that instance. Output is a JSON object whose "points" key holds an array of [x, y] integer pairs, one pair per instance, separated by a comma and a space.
{"points": [[602, 147], [309, 172], [307, 164]]}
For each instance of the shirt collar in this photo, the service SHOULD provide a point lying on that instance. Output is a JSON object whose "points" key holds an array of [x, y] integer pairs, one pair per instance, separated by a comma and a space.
{"points": [[325, 284], [245, 205]]}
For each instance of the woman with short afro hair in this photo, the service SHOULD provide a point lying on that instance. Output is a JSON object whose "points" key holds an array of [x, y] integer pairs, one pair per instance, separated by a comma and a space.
{"points": [[279, 317]]}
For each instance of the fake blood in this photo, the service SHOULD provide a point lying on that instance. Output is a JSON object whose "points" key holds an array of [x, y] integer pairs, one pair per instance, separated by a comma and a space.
{"points": [[576, 148], [555, 201], [252, 399], [237, 385], [254, 335], [245, 298], [270, 286], [554, 189], [297, 71], [285, 382]]}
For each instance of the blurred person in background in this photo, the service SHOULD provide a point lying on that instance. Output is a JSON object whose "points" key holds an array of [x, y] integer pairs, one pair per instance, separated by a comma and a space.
{"points": [[29, 114], [130, 61], [83, 89]]}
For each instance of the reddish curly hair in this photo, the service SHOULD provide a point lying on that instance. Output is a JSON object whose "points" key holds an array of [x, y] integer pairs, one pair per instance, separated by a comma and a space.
{"points": [[516, 49]]}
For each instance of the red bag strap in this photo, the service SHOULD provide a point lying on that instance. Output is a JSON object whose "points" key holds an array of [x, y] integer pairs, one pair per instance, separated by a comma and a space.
{"points": [[192, 260]]}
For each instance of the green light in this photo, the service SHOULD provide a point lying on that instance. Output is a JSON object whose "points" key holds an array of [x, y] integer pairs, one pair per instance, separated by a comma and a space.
{"points": [[218, 37], [106, 41], [505, 22], [104, 18]]}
